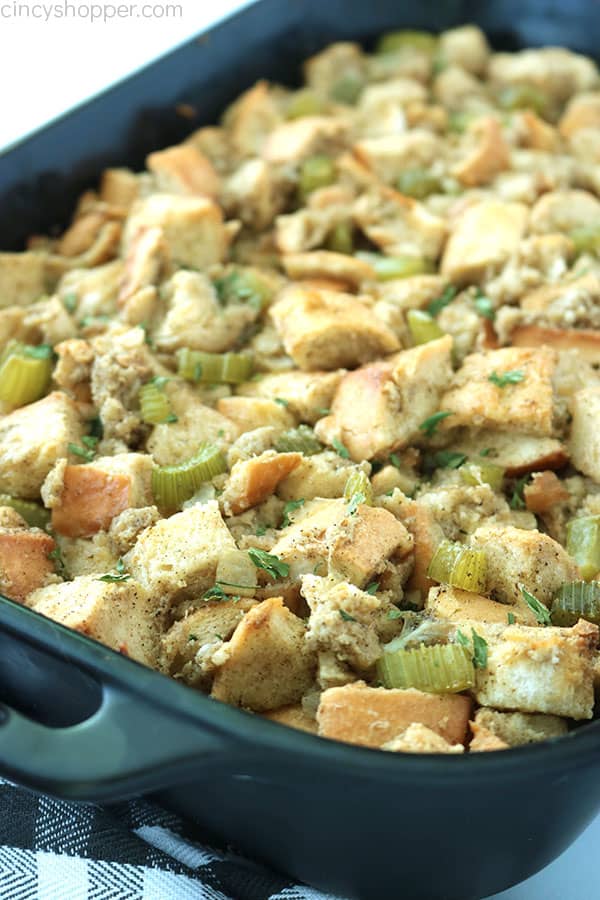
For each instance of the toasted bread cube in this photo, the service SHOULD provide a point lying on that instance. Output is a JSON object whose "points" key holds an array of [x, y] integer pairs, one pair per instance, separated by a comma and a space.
{"points": [[484, 740], [184, 170], [325, 264], [88, 556], [541, 670], [255, 193], [266, 664], [427, 535], [253, 480], [22, 278], [32, 439], [488, 156], [293, 717], [293, 141], [516, 453], [251, 119], [354, 547], [517, 728], [342, 58], [249, 413], [93, 494], [528, 405], [119, 187], [465, 46], [483, 238], [586, 341], [564, 210], [358, 714], [388, 156], [419, 738], [379, 408], [329, 330], [464, 607], [186, 648], [192, 227], [583, 111], [177, 558], [535, 133], [543, 492], [122, 616], [584, 443], [322, 475], [308, 395], [400, 225], [557, 72], [24, 561], [515, 556]]}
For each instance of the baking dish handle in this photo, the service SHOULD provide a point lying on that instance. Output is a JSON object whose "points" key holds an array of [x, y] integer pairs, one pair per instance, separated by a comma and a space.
{"points": [[81, 722]]}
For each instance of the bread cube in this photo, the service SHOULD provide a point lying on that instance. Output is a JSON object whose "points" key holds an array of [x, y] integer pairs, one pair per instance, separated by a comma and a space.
{"points": [[293, 141], [251, 119], [562, 211], [584, 442], [24, 561], [22, 278], [32, 439], [487, 153], [557, 72], [324, 264], [399, 225], [539, 670], [253, 480], [586, 341], [183, 169], [293, 717], [465, 607], [177, 558], [482, 239], [517, 728], [249, 413], [93, 494], [358, 714], [476, 401], [484, 740], [308, 395], [122, 616], [390, 155], [582, 112], [516, 453], [322, 475], [419, 738], [465, 46], [119, 187], [266, 664], [329, 330]]}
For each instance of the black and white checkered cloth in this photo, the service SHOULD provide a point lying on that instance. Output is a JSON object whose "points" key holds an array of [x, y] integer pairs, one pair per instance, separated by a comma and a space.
{"points": [[50, 850]]}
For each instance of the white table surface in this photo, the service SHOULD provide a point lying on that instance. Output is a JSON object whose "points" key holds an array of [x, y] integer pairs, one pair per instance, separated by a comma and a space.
{"points": [[46, 67]]}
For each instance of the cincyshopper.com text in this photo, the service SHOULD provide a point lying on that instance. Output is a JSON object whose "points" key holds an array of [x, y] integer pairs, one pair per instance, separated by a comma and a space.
{"points": [[93, 12]]}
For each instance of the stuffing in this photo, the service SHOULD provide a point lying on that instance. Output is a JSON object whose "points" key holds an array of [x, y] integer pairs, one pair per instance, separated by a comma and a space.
{"points": [[256, 193], [249, 120], [250, 413], [476, 398], [539, 670], [184, 170], [380, 408], [487, 153], [399, 225], [484, 740], [266, 663], [294, 141], [251, 481], [517, 453], [119, 187], [543, 492], [585, 342], [145, 263], [321, 475], [482, 239], [372, 717], [87, 556], [584, 445], [307, 395], [517, 728], [390, 155], [121, 615], [340, 60], [329, 330], [516, 556], [27, 451], [418, 738], [325, 264], [582, 112], [73, 370], [466, 608], [457, 90], [177, 557]]}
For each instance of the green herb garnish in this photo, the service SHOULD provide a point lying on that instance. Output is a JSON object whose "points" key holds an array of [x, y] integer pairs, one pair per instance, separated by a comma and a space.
{"points": [[355, 501], [394, 614], [429, 426], [86, 453], [289, 507], [511, 618], [540, 611], [447, 296], [215, 593], [512, 377], [272, 565], [282, 401], [346, 616], [372, 588], [484, 306], [480, 650], [69, 302], [517, 500], [340, 449], [116, 577]]}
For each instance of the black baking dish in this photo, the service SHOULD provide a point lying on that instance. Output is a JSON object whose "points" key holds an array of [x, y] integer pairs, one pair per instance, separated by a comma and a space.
{"points": [[81, 722]]}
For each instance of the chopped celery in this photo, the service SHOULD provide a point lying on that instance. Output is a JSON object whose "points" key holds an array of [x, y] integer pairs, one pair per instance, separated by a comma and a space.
{"points": [[305, 103], [347, 89], [298, 440], [418, 183], [243, 287], [389, 267], [358, 484], [173, 485], [214, 368], [523, 96], [460, 566], [586, 238], [25, 373], [576, 600], [341, 239], [483, 472], [412, 39], [423, 327], [315, 172], [437, 669], [154, 404], [34, 514], [583, 544]]}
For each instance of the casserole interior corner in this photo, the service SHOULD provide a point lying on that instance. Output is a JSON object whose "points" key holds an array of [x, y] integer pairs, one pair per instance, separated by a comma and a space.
{"points": [[305, 413]]}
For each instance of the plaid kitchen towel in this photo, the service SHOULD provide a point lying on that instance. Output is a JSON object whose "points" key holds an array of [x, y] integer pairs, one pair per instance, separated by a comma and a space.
{"points": [[51, 850]]}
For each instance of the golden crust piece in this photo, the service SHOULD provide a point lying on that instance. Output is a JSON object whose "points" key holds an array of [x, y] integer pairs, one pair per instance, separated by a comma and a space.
{"points": [[309, 135], [184, 170], [447, 602], [584, 444], [484, 237], [324, 264], [543, 492], [419, 738], [251, 481], [583, 111], [484, 740], [489, 155], [24, 561], [266, 664], [516, 453], [308, 395], [517, 728], [527, 405], [329, 330], [22, 278], [585, 341], [293, 717], [358, 714]]}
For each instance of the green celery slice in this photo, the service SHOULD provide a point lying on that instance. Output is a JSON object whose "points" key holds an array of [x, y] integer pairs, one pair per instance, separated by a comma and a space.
{"points": [[437, 669]]}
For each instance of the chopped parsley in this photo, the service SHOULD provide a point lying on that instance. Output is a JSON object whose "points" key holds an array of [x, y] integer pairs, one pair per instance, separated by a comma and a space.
{"points": [[346, 616], [289, 507], [484, 306], [355, 501], [372, 588], [395, 460], [86, 453], [70, 302], [485, 452], [394, 614], [480, 650], [192, 637], [340, 449], [446, 297], [540, 611], [272, 565], [511, 618], [215, 593], [260, 530], [282, 401], [116, 577], [429, 426], [159, 381], [462, 639], [517, 500], [514, 376], [323, 411], [59, 563], [96, 428], [447, 459]]}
